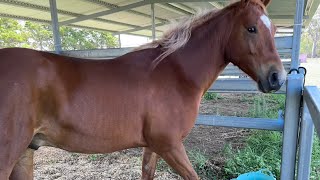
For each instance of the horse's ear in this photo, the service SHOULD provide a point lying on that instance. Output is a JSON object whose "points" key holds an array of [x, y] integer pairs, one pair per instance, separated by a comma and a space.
{"points": [[266, 2]]}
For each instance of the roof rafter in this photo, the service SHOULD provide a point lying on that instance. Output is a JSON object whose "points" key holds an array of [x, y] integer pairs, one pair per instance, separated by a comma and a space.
{"points": [[183, 7], [173, 8], [104, 13], [47, 9], [112, 6], [181, 1], [217, 5], [138, 29]]}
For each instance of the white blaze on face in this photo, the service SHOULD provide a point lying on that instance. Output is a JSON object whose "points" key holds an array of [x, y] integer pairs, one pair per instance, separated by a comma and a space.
{"points": [[266, 21]]}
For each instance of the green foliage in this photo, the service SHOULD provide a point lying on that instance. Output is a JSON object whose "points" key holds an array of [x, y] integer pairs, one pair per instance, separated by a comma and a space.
{"points": [[310, 38], [211, 96], [95, 157], [15, 33], [77, 39], [263, 151], [200, 163], [267, 105], [39, 36], [315, 160], [11, 33], [306, 44], [263, 148]]}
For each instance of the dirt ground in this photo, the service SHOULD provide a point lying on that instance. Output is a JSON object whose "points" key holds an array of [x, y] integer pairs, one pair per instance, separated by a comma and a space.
{"points": [[313, 72], [52, 163]]}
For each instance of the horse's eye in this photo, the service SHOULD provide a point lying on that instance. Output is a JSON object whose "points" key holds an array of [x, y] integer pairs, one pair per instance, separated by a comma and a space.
{"points": [[252, 29]]}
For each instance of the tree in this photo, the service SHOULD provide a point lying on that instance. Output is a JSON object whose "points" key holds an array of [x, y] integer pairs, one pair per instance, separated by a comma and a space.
{"points": [[76, 39], [313, 31], [306, 44], [11, 33], [39, 36], [14, 33]]}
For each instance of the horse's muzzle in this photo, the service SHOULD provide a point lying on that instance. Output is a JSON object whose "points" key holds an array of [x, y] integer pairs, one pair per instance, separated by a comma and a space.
{"points": [[275, 80]]}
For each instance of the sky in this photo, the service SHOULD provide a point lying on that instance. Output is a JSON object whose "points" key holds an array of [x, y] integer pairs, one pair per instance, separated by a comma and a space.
{"points": [[133, 41]]}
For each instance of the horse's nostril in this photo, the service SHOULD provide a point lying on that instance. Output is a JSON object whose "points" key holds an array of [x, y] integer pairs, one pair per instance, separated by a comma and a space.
{"points": [[274, 79]]}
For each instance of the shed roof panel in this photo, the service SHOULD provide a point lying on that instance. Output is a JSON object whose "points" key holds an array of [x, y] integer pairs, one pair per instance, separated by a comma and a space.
{"points": [[122, 16]]}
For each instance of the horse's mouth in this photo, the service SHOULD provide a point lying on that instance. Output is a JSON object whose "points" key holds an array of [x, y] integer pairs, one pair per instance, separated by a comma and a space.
{"points": [[261, 87]]}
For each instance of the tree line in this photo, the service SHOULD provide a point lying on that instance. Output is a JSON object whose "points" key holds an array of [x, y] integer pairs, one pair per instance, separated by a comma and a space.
{"points": [[310, 44], [15, 33]]}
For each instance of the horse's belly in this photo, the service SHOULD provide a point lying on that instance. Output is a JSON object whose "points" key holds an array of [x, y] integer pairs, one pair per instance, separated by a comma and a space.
{"points": [[98, 136], [89, 144]]}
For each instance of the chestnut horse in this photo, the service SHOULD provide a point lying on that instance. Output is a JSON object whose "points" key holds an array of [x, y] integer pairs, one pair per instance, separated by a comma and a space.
{"points": [[147, 98]]}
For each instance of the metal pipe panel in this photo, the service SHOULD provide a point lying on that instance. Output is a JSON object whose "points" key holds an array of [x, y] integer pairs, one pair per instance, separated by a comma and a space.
{"points": [[312, 99], [98, 53], [297, 28], [225, 85], [305, 145], [291, 123], [241, 122]]}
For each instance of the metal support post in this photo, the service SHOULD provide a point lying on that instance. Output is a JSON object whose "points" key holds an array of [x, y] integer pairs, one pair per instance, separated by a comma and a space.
{"points": [[153, 22], [291, 124], [297, 28], [293, 102], [305, 144], [55, 26], [119, 40]]}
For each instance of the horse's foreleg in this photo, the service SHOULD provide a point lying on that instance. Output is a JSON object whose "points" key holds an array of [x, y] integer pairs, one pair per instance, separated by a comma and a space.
{"points": [[23, 170], [149, 163], [177, 158]]}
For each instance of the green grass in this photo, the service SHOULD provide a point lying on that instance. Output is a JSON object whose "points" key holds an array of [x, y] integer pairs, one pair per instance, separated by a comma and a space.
{"points": [[263, 151], [96, 157], [264, 148], [315, 162], [267, 105], [202, 165], [211, 96], [200, 162]]}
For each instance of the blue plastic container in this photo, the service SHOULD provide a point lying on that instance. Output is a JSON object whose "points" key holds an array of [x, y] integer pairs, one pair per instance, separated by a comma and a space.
{"points": [[259, 175]]}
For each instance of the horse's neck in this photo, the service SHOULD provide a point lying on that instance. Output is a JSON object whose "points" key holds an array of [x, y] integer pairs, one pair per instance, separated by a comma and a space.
{"points": [[202, 59]]}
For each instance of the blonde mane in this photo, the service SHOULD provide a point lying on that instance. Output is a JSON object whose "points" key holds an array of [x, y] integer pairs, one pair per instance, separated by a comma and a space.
{"points": [[178, 35]]}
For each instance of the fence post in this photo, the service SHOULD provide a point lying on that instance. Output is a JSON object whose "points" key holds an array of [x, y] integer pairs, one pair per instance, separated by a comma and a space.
{"points": [[293, 102], [305, 144], [291, 124]]}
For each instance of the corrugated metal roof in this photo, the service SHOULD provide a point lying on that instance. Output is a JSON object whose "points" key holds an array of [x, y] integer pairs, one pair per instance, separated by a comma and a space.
{"points": [[136, 20]]}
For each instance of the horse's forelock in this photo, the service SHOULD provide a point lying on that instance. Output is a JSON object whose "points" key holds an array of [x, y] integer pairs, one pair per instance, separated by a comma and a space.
{"points": [[259, 3]]}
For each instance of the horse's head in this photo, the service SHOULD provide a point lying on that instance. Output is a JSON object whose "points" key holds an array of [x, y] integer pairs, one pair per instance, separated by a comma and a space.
{"points": [[251, 45]]}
